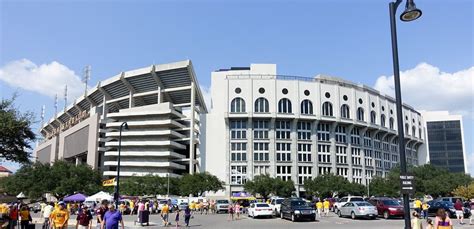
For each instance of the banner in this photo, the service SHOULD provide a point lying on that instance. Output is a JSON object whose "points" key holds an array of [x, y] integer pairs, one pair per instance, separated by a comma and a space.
{"points": [[110, 182]]}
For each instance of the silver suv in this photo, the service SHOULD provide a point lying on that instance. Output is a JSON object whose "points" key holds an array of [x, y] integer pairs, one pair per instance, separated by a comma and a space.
{"points": [[222, 206], [344, 200]]}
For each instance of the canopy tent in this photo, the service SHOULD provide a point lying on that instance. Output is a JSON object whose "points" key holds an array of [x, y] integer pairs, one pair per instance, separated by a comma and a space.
{"points": [[78, 197], [21, 196], [99, 197], [242, 196]]}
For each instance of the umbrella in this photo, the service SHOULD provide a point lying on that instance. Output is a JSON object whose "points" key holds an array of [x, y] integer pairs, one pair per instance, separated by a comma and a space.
{"points": [[79, 197], [21, 196]]}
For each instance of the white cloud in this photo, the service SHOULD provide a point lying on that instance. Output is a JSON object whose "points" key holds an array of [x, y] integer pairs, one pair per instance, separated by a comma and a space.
{"points": [[206, 93], [46, 79], [425, 87]]}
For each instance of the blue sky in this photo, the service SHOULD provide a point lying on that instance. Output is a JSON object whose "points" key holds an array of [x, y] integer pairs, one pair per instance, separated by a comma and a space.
{"points": [[348, 39]]}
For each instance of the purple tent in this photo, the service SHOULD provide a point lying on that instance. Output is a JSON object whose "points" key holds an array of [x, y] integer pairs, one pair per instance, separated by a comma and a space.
{"points": [[79, 197]]}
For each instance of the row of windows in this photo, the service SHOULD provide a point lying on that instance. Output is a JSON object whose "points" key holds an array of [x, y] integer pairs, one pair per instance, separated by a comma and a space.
{"points": [[284, 106]]}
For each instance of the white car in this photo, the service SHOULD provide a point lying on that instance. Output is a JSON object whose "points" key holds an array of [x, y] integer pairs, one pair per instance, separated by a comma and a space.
{"points": [[275, 204], [358, 209], [259, 209], [345, 200]]}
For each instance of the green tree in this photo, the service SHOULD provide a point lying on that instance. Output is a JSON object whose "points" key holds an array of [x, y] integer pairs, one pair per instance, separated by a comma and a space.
{"points": [[465, 191], [262, 185], [148, 185], [60, 179], [198, 183], [330, 185], [15, 132], [283, 188], [383, 187]]}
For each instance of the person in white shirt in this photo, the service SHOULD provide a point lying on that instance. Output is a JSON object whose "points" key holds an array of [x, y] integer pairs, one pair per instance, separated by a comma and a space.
{"points": [[46, 212]]}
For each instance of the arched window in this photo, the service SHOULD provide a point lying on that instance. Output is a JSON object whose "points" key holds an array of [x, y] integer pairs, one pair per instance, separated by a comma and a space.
{"points": [[413, 131], [360, 114], [237, 105], [261, 105], [420, 133], [407, 129], [345, 113], [306, 107], [382, 120], [373, 117], [327, 109], [391, 123], [284, 106]]}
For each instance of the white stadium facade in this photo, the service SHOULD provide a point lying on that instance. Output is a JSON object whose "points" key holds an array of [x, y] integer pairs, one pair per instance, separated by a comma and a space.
{"points": [[156, 102], [258, 122]]}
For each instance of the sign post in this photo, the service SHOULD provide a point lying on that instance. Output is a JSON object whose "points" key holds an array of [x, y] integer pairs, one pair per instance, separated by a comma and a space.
{"points": [[407, 184]]}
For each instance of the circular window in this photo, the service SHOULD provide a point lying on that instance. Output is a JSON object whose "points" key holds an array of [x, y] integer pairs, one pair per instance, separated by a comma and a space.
{"points": [[261, 90], [391, 111], [327, 95], [306, 92], [284, 91], [238, 90], [373, 104], [383, 108], [345, 97], [360, 101]]}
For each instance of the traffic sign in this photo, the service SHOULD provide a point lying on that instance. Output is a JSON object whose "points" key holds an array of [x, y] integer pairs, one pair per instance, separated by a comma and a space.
{"points": [[407, 184]]}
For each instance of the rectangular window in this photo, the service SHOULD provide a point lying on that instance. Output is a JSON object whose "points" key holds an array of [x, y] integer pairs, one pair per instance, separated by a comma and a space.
{"points": [[368, 157], [341, 134], [261, 170], [238, 151], [324, 170], [283, 129], [304, 130], [355, 136], [260, 129], [357, 176], [341, 155], [342, 172], [304, 152], [304, 173], [356, 159], [324, 153], [260, 151], [323, 132], [238, 129], [284, 172], [283, 152], [367, 139], [238, 174]]}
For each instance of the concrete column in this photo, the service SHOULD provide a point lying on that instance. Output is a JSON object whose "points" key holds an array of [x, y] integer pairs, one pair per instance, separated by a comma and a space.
{"points": [[92, 148], [159, 94], [191, 130], [131, 100], [362, 154], [332, 149], [272, 148], [349, 153], [314, 148], [78, 162], [294, 154], [250, 174]]}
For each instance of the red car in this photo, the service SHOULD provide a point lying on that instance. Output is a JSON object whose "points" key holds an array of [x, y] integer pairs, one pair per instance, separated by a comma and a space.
{"points": [[387, 207]]}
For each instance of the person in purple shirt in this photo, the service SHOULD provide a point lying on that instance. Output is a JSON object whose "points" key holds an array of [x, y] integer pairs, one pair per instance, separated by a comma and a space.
{"points": [[112, 218]]}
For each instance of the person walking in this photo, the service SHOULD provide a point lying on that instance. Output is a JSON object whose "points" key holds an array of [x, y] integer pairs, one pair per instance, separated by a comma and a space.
{"points": [[59, 218], [458, 206], [13, 216], [84, 218], [237, 209], [230, 209], [112, 219], [25, 217], [442, 221], [417, 205], [165, 210], [187, 215], [326, 207], [176, 218], [424, 208], [46, 213], [471, 206], [416, 221], [100, 213], [319, 207]]}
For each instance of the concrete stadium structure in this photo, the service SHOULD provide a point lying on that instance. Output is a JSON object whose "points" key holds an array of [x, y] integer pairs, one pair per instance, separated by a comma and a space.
{"points": [[298, 128], [162, 105]]}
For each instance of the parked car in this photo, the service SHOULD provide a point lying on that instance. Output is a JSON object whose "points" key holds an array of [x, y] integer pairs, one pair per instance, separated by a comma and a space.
{"points": [[275, 204], [448, 206], [387, 207], [222, 206], [182, 206], [36, 207], [260, 209], [358, 209], [296, 209], [344, 200], [450, 199]]}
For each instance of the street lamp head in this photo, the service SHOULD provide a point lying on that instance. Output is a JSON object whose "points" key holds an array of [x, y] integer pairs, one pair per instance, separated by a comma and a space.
{"points": [[126, 125], [411, 13]]}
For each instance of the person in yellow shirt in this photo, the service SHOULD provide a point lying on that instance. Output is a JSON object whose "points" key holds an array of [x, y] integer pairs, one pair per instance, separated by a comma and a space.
{"points": [[192, 205], [25, 217], [326, 207], [417, 206], [59, 217], [319, 207], [132, 206], [425, 207], [165, 210]]}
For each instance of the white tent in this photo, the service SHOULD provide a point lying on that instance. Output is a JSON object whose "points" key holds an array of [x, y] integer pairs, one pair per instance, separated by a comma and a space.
{"points": [[21, 196], [98, 197]]}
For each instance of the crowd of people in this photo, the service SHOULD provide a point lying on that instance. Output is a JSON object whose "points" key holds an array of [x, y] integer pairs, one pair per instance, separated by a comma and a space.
{"points": [[442, 218]]}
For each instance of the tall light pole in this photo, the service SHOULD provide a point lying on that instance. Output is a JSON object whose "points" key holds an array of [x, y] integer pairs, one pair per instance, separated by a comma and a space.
{"points": [[117, 179], [411, 13]]}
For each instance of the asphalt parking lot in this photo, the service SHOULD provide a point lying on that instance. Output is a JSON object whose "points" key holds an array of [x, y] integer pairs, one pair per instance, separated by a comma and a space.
{"points": [[222, 221]]}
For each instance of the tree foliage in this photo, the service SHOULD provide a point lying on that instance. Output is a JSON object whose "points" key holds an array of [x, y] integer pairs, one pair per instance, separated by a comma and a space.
{"points": [[60, 179], [15, 132], [466, 191], [198, 183], [264, 185], [330, 185], [147, 185]]}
